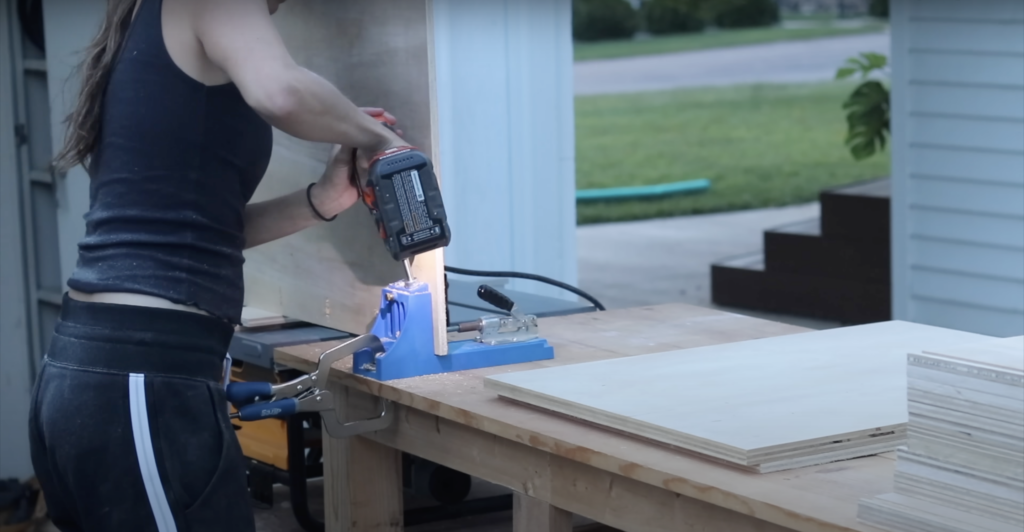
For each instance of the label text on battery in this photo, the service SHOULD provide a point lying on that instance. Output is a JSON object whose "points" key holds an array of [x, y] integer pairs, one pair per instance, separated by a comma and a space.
{"points": [[419, 186]]}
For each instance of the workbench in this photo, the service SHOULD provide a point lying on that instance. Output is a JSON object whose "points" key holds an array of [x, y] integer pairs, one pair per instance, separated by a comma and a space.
{"points": [[557, 466]]}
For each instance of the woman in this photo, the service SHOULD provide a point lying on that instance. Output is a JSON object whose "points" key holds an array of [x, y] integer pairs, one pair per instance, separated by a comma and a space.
{"points": [[129, 423]]}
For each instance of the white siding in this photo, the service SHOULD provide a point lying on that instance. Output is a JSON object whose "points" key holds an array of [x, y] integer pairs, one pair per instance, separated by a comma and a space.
{"points": [[958, 164], [505, 99]]}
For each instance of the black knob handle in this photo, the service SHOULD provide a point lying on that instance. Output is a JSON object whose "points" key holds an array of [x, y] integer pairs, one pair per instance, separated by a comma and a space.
{"points": [[494, 297]]}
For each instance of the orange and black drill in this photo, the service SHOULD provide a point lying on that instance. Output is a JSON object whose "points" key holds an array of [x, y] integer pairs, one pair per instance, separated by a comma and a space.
{"points": [[402, 193]]}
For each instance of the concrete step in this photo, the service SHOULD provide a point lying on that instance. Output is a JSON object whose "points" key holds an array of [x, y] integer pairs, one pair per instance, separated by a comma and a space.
{"points": [[743, 282], [801, 249], [859, 211]]}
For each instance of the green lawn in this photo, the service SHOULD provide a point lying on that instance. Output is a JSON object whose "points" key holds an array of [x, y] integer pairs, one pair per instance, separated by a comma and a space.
{"points": [[716, 39], [762, 145]]}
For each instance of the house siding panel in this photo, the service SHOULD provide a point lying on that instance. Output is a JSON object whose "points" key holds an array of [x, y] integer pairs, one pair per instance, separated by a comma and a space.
{"points": [[966, 101], [972, 68], [507, 136], [978, 133], [965, 11], [967, 196], [954, 315], [999, 231], [966, 36], [978, 165], [958, 164], [971, 290], [968, 258]]}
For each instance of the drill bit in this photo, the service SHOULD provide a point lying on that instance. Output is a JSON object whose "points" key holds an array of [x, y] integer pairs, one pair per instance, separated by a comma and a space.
{"points": [[408, 269]]}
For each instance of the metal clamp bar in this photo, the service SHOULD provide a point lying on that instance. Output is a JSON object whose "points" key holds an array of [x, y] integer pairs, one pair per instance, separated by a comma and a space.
{"points": [[337, 429]]}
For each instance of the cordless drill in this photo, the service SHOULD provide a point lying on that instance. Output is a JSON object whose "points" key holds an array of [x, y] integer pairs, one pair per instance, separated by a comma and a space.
{"points": [[402, 193]]}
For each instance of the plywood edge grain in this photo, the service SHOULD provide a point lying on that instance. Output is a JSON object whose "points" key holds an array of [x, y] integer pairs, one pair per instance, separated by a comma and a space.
{"points": [[628, 426], [1005, 354]]}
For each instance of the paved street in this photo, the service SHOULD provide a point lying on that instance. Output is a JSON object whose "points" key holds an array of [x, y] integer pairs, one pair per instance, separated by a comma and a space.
{"points": [[782, 62]]}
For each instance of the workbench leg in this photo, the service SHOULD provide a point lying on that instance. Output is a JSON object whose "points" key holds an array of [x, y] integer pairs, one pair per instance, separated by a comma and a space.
{"points": [[362, 479], [535, 515]]}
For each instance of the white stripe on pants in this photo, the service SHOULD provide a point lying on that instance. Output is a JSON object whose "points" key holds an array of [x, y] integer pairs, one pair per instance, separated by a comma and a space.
{"points": [[144, 451]]}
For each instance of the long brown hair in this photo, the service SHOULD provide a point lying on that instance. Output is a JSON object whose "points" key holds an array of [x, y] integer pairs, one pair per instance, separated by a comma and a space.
{"points": [[83, 123]]}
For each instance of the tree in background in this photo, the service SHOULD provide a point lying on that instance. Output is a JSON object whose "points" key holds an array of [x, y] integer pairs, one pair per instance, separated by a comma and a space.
{"points": [[674, 16], [879, 8], [867, 108], [745, 13], [683, 16], [596, 20]]}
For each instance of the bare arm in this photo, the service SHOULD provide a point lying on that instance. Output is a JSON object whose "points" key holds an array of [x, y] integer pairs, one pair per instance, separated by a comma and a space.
{"points": [[282, 216], [240, 38]]}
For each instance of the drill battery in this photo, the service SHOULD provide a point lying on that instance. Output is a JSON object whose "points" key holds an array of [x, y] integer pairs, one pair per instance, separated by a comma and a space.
{"points": [[402, 193]]}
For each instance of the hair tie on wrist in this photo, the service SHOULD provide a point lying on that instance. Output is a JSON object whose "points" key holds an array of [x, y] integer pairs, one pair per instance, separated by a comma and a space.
{"points": [[309, 198]]}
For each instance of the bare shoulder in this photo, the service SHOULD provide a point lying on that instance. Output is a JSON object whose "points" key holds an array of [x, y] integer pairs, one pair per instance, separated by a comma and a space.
{"points": [[240, 37], [183, 44]]}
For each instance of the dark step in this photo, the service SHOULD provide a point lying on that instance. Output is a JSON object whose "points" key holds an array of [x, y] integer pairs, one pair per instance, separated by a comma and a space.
{"points": [[800, 249], [743, 282], [859, 211]]}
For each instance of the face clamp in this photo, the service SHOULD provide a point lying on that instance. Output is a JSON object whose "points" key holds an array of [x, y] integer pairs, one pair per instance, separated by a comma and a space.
{"points": [[263, 400]]}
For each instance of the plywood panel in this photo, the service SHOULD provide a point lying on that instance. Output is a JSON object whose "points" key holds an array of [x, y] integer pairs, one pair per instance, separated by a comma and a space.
{"points": [[379, 54], [1004, 353], [898, 512], [766, 404]]}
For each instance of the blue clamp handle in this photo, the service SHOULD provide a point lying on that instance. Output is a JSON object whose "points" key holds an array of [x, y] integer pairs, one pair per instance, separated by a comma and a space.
{"points": [[244, 393], [274, 409]]}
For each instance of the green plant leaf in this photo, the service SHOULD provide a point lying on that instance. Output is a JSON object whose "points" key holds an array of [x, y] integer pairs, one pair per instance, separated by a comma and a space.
{"points": [[867, 116], [845, 72], [875, 60]]}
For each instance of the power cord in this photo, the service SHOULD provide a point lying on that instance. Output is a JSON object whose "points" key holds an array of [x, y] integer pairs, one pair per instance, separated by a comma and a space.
{"points": [[530, 276]]}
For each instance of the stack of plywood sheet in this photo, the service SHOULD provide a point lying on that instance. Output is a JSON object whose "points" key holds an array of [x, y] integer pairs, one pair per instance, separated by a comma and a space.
{"points": [[963, 466], [762, 405]]}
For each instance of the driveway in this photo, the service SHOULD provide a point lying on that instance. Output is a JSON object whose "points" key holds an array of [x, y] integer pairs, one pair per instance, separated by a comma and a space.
{"points": [[781, 62]]}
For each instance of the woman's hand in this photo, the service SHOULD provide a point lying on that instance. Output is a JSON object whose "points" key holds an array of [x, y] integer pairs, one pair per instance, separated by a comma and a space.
{"points": [[395, 135], [335, 192]]}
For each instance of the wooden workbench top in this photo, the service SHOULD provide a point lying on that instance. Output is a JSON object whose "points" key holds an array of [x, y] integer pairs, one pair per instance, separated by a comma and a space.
{"points": [[813, 499]]}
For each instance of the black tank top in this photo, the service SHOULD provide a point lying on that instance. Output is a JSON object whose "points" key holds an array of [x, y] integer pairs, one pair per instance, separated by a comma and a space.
{"points": [[176, 163]]}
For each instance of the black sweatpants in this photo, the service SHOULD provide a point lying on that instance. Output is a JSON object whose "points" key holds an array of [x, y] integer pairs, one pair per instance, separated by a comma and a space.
{"points": [[129, 425]]}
